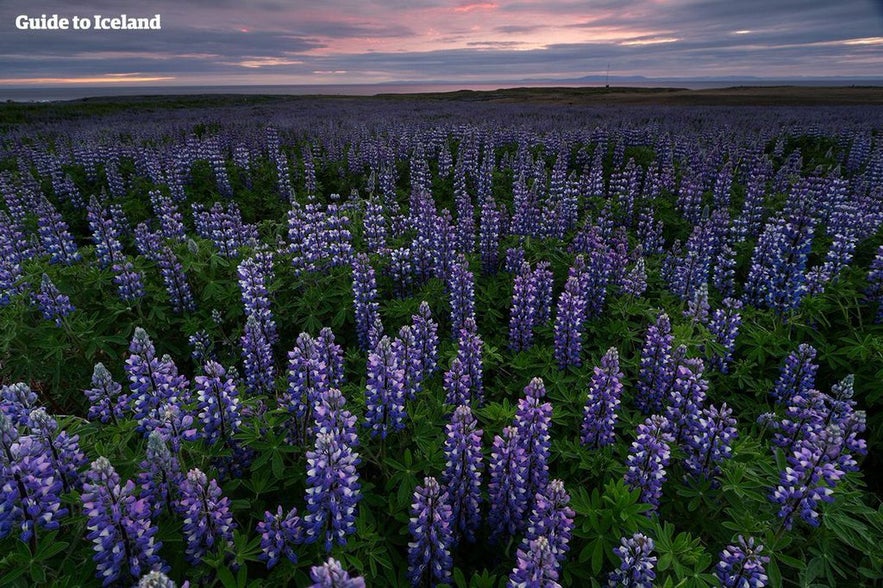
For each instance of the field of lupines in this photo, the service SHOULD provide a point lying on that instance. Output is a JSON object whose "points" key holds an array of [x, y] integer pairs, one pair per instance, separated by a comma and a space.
{"points": [[342, 342]]}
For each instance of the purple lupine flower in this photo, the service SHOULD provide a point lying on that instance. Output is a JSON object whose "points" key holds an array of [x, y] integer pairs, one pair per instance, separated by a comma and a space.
{"points": [[254, 274], [208, 522], [334, 419], [30, 487], [461, 286], [129, 281], [160, 477], [657, 370], [374, 226], [462, 474], [635, 281], [602, 402], [153, 382], [514, 259], [551, 518], [279, 532], [742, 566], [157, 579], [54, 235], [200, 347], [105, 234], [17, 402], [307, 379], [332, 575], [489, 236], [385, 391], [709, 440], [536, 566], [686, 396], [147, 242], [697, 307], [648, 457], [119, 526], [175, 423], [542, 282], [426, 336], [724, 326], [217, 404], [524, 308], [457, 384], [805, 416], [636, 567], [257, 356], [332, 491], [169, 216], [331, 354], [364, 299], [106, 402], [569, 321], [469, 352], [875, 283], [507, 488], [815, 466], [62, 449], [175, 280], [533, 418], [798, 374], [429, 555], [54, 305], [407, 352]]}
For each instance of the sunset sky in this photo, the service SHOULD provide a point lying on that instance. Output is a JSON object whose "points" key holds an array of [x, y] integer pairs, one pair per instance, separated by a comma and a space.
{"points": [[219, 42]]}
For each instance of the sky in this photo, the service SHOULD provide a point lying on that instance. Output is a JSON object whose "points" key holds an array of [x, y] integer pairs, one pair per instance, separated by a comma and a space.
{"points": [[224, 42]]}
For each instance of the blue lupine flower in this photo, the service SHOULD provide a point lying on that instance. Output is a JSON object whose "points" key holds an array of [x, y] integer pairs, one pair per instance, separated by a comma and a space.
{"points": [[648, 457], [217, 404], [602, 402], [106, 402], [409, 357], [62, 449], [257, 355], [279, 532], [657, 369], [536, 566], [524, 307], [429, 555], [54, 305], [426, 337], [709, 439], [636, 567], [332, 575], [724, 327], [462, 473], [533, 418], [208, 522], [160, 477], [461, 286], [569, 322], [798, 374], [119, 526], [507, 488], [332, 491], [367, 309], [385, 391], [742, 566], [551, 518]]}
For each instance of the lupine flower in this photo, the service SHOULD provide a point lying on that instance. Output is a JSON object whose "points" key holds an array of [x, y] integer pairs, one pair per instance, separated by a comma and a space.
{"points": [[364, 299], [815, 466], [260, 373], [30, 488], [331, 354], [426, 337], [153, 382], [374, 226], [17, 402], [724, 326], [307, 379], [119, 526], [698, 308], [602, 402], [408, 354], [536, 566], [457, 384], [429, 555], [208, 522], [160, 477], [489, 236], [254, 274], [279, 532], [541, 283], [514, 259], [54, 305], [62, 449], [636, 567], [656, 371], [708, 441], [797, 376], [635, 281], [742, 566], [106, 402], [533, 419], [385, 392], [332, 575], [462, 473], [217, 404], [469, 352], [129, 281], [524, 307], [157, 579], [685, 397], [332, 491], [875, 283], [461, 287], [175, 280], [648, 457], [569, 322], [54, 235], [334, 419], [507, 488], [551, 518]]}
